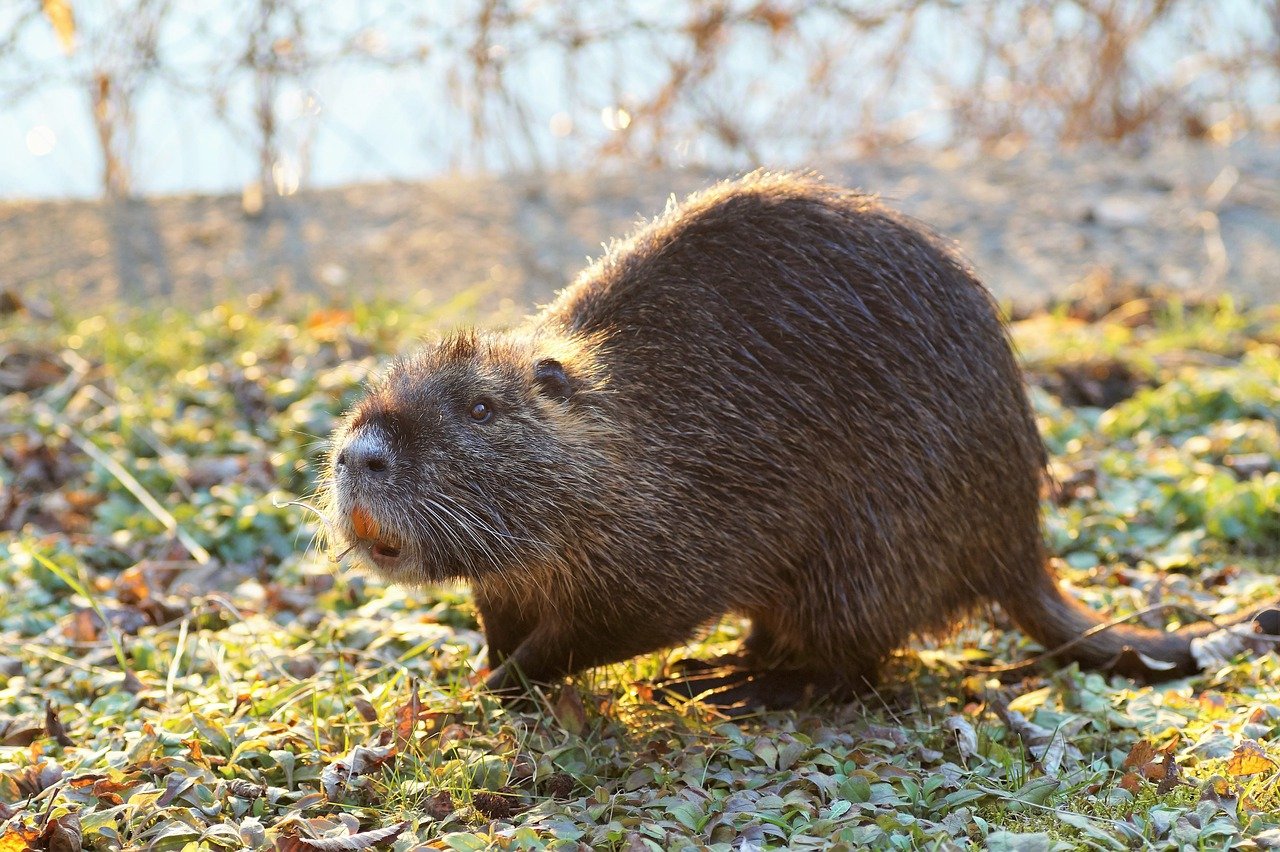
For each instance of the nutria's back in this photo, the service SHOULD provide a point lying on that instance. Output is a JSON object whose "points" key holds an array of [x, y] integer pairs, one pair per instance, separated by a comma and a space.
{"points": [[779, 399], [831, 400]]}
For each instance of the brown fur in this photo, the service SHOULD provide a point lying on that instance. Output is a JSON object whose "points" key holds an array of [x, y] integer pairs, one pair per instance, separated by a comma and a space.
{"points": [[780, 399]]}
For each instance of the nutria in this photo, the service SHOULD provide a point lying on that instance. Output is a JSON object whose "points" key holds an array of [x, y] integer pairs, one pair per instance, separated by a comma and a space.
{"points": [[780, 399]]}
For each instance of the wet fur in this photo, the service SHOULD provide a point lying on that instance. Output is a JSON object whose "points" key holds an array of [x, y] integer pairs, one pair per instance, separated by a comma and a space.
{"points": [[785, 401]]}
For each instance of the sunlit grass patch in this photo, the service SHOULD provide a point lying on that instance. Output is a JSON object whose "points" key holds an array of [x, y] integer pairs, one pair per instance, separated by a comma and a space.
{"points": [[195, 673]]}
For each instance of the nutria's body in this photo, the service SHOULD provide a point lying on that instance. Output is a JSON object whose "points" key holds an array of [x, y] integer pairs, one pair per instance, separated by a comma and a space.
{"points": [[780, 400]]}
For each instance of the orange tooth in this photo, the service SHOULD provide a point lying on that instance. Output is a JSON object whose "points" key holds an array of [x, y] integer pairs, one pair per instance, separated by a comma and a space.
{"points": [[365, 525]]}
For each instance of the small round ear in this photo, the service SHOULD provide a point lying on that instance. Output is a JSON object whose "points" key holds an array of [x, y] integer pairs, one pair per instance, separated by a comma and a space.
{"points": [[550, 380]]}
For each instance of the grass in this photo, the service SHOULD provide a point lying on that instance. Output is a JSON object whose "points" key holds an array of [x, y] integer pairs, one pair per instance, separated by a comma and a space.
{"points": [[180, 669]]}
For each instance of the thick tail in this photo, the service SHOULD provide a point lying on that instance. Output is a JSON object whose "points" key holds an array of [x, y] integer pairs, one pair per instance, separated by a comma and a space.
{"points": [[1069, 630]]}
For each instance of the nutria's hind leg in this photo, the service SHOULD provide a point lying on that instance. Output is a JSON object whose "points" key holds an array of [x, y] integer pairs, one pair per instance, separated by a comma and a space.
{"points": [[753, 650], [761, 676]]}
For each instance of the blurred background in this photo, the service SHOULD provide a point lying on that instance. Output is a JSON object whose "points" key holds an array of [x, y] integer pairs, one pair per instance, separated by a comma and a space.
{"points": [[340, 149]]}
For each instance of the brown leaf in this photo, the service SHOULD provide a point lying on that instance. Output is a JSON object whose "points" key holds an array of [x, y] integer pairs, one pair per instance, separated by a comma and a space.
{"points": [[407, 717], [246, 789], [635, 843], [10, 302], [131, 684], [1172, 776], [53, 726], [1097, 382], [195, 750], [1142, 761], [1259, 715], [109, 791], [440, 805], [569, 710], [1220, 577], [302, 666], [62, 834], [28, 370], [17, 732], [290, 842], [341, 774], [1131, 782], [454, 733], [1140, 755], [1154, 771], [34, 780], [523, 768], [133, 586], [287, 598], [1210, 700], [365, 709], [81, 781], [82, 626]]}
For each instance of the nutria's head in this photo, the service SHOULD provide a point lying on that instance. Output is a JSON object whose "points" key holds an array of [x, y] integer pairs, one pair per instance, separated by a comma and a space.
{"points": [[466, 459]]}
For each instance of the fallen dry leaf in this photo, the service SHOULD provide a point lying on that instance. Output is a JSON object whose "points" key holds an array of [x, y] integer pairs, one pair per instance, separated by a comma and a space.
{"points": [[1249, 759], [19, 838], [965, 736], [345, 773], [1171, 777], [1131, 782], [440, 805], [109, 791], [62, 834], [27, 370], [1158, 765], [19, 732], [1140, 755], [53, 726], [365, 709], [407, 717], [569, 709], [355, 842]]}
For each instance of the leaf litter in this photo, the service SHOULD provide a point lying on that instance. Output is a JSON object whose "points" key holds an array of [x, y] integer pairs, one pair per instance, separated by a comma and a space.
{"points": [[180, 666]]}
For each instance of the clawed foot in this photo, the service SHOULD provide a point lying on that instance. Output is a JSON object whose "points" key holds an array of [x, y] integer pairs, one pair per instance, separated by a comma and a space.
{"points": [[737, 690]]}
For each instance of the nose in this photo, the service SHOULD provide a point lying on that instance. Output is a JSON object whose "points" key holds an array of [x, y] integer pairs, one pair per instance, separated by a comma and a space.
{"points": [[367, 451]]}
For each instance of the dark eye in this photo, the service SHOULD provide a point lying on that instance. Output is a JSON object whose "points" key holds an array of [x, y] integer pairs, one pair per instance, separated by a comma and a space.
{"points": [[481, 411]]}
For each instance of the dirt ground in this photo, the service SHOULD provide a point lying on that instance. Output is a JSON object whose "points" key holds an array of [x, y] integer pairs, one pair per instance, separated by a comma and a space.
{"points": [[1186, 216]]}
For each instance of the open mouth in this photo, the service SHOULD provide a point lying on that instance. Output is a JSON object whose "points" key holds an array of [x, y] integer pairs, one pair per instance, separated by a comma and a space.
{"points": [[382, 548], [385, 550]]}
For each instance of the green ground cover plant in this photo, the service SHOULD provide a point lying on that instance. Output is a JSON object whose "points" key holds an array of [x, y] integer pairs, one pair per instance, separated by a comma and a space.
{"points": [[181, 668]]}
